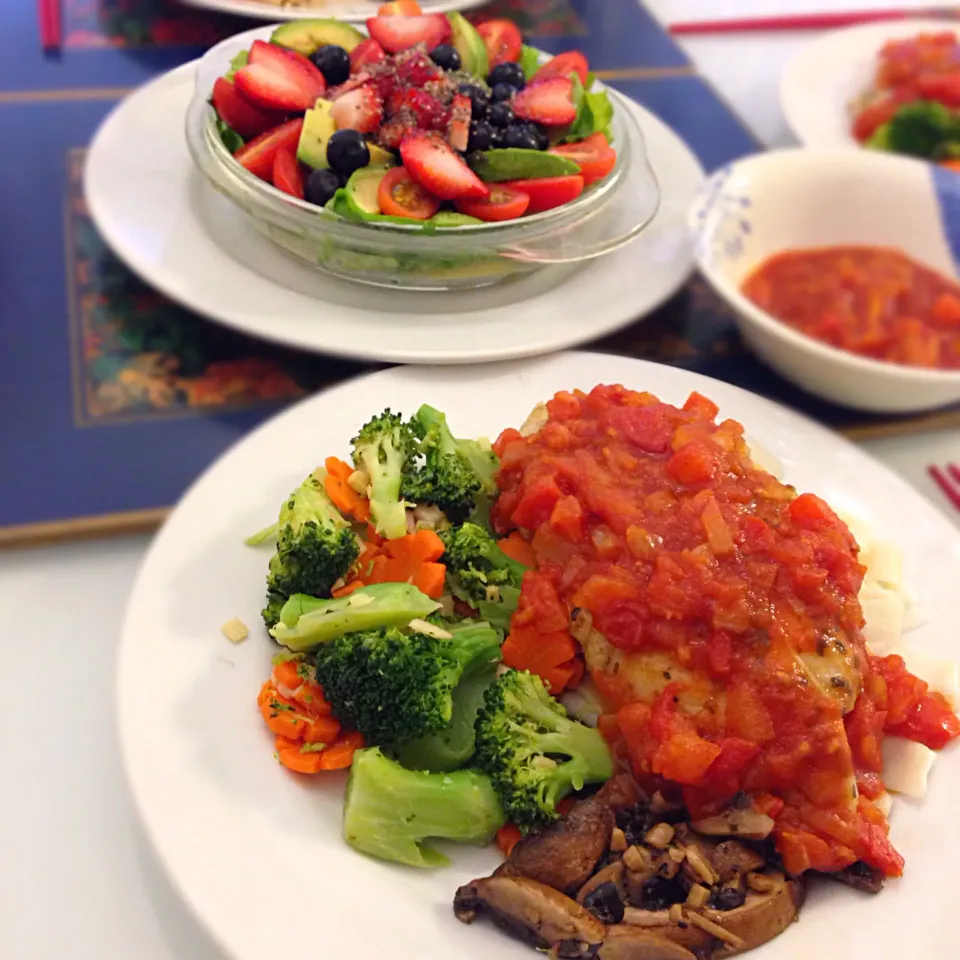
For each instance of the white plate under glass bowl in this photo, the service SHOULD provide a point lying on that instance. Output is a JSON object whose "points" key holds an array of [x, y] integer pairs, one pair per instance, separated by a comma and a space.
{"points": [[819, 85], [353, 11], [190, 243], [256, 853]]}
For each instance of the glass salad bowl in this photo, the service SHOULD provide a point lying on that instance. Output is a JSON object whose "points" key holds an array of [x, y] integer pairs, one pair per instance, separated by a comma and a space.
{"points": [[608, 215]]}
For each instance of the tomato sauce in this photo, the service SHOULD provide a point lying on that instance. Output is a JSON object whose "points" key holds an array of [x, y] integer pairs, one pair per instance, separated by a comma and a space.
{"points": [[653, 521], [924, 67], [872, 301]]}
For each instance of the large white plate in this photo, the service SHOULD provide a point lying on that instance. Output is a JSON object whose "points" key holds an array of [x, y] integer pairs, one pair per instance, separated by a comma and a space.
{"points": [[190, 243], [820, 83], [257, 854], [351, 10]]}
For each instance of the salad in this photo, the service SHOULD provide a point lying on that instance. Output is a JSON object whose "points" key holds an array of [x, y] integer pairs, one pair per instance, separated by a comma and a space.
{"points": [[427, 121], [668, 686], [913, 105]]}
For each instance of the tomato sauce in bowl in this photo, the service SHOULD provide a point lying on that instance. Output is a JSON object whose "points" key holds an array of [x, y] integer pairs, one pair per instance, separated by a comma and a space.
{"points": [[872, 301]]}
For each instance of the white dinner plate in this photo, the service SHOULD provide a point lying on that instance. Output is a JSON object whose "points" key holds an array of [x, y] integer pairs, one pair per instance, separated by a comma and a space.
{"points": [[257, 853], [160, 217], [350, 10], [826, 77]]}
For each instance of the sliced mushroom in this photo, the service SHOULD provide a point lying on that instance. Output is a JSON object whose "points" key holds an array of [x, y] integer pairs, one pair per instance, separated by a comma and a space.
{"points": [[861, 876], [763, 916], [633, 943], [533, 912], [730, 857], [736, 822], [679, 931]]}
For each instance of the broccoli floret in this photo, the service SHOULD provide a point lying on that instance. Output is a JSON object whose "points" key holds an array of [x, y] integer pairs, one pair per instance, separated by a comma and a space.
{"points": [[395, 686], [533, 752], [456, 475], [389, 811], [481, 574], [315, 547], [304, 622], [384, 450], [920, 129]]}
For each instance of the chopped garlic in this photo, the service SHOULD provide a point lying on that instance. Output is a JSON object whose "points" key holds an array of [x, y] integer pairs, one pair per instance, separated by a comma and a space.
{"points": [[235, 630], [430, 630], [359, 599]]}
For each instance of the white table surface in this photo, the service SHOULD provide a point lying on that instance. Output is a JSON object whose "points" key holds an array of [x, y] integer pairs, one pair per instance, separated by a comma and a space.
{"points": [[77, 881]]}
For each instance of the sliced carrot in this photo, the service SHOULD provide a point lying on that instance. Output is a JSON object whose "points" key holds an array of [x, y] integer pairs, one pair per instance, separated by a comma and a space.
{"points": [[429, 578], [423, 546], [338, 468], [508, 836], [322, 730], [950, 164], [516, 548], [293, 758], [313, 700], [557, 678], [339, 755], [286, 674], [528, 649], [346, 499], [281, 715]]}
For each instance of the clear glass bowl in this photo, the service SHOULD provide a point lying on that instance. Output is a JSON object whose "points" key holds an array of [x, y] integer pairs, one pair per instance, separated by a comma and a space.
{"points": [[607, 216]]}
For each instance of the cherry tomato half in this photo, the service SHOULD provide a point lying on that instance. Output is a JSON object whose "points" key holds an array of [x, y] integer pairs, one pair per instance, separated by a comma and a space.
{"points": [[399, 195], [562, 65], [502, 40], [504, 203], [547, 192], [594, 156]]}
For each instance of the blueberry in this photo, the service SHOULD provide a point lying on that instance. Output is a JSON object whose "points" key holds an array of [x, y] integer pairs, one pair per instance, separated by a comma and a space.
{"points": [[481, 135], [446, 57], [479, 99], [520, 135], [333, 62], [347, 151], [501, 92], [508, 73], [540, 135], [321, 185], [500, 114]]}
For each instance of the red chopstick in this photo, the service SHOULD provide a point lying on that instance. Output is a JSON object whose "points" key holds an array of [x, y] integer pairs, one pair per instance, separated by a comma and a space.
{"points": [[799, 21], [48, 12]]}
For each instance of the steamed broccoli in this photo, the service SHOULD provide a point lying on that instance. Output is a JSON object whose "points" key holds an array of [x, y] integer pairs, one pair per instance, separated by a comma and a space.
{"points": [[533, 752], [389, 811], [481, 574], [394, 686], [920, 129], [384, 450], [304, 622], [315, 547], [456, 475]]}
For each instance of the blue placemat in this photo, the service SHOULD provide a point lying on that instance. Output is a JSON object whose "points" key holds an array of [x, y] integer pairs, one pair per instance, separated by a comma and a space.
{"points": [[113, 399]]}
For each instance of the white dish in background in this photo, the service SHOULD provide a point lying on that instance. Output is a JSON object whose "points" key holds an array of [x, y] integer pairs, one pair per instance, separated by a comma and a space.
{"points": [[257, 854], [353, 11], [794, 199], [820, 83], [190, 243]]}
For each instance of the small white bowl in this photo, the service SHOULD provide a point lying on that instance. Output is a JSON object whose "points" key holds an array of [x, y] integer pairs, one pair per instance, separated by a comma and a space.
{"points": [[794, 199]]}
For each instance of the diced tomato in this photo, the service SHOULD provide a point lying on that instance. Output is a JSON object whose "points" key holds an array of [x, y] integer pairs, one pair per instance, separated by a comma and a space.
{"points": [[562, 65], [725, 775], [503, 203], [399, 195], [547, 192], [502, 39]]}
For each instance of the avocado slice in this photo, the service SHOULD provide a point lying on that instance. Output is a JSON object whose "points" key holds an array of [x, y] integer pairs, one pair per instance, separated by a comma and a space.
{"points": [[450, 218], [318, 128], [308, 36], [380, 157], [515, 163], [469, 44]]}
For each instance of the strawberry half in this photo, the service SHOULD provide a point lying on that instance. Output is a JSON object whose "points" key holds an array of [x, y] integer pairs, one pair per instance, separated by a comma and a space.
{"points": [[550, 103], [395, 33], [360, 110], [238, 114], [458, 129], [286, 172], [258, 155], [365, 53], [434, 165], [276, 81]]}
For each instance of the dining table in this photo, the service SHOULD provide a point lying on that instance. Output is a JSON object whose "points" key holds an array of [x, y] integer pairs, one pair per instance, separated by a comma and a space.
{"points": [[78, 879]]}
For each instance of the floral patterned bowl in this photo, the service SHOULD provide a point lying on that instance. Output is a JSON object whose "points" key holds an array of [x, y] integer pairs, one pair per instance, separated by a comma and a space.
{"points": [[796, 199]]}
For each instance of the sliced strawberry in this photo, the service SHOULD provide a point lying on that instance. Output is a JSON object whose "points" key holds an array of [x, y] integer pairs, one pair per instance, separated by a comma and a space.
{"points": [[403, 8], [396, 33], [392, 133], [237, 113], [458, 129], [549, 103], [276, 81], [360, 110], [258, 155], [502, 39], [415, 69], [286, 172], [354, 83], [434, 165], [365, 53], [562, 65], [417, 108]]}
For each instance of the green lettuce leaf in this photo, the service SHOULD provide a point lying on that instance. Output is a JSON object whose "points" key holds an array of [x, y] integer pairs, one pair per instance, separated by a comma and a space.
{"points": [[529, 61], [231, 139]]}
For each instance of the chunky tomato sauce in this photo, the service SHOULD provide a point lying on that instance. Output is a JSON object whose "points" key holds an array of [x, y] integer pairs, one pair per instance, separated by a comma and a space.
{"points": [[924, 67], [723, 626], [869, 300]]}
